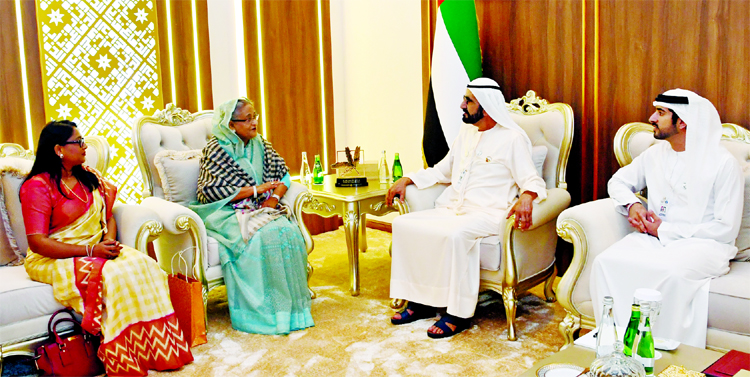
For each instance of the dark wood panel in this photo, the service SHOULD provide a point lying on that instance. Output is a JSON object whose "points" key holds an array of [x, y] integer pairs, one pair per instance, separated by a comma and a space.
{"points": [[183, 54], [12, 111], [162, 50], [292, 79], [204, 54], [12, 101], [697, 45], [252, 64], [328, 82], [536, 45], [318, 224], [33, 68], [183, 50]]}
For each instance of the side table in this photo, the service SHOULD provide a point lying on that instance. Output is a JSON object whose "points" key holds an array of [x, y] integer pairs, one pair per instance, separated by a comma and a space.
{"points": [[692, 358], [353, 204]]}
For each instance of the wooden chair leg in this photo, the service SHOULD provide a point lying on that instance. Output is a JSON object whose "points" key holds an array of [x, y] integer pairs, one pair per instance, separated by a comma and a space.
{"points": [[509, 299], [549, 294], [568, 327], [313, 295]]}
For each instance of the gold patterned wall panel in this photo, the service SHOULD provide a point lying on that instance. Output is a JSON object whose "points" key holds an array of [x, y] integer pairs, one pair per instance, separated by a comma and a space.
{"points": [[100, 69]]}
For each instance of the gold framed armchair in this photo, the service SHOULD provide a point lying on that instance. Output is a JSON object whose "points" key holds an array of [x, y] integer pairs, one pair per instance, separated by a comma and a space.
{"points": [[516, 261], [168, 148], [592, 227], [26, 305]]}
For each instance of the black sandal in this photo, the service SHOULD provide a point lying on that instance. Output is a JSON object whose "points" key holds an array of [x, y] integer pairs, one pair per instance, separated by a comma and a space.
{"points": [[460, 323], [418, 311]]}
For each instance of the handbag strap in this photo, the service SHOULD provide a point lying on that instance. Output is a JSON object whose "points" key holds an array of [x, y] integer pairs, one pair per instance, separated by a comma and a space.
{"points": [[67, 311], [75, 323]]}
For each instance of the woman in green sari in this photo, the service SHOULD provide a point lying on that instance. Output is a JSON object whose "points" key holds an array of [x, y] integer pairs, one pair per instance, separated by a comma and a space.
{"points": [[263, 255]]}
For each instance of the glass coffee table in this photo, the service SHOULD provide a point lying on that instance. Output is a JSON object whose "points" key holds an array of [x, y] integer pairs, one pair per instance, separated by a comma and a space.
{"points": [[353, 204], [691, 358]]}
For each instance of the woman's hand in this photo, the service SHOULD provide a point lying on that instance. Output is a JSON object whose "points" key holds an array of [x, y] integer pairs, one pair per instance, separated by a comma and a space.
{"points": [[270, 203], [107, 249], [268, 186]]}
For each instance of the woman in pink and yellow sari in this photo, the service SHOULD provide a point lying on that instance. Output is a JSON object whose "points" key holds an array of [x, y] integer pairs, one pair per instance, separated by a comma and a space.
{"points": [[121, 292]]}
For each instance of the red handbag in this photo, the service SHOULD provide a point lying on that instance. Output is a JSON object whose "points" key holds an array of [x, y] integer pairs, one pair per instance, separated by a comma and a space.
{"points": [[74, 355]]}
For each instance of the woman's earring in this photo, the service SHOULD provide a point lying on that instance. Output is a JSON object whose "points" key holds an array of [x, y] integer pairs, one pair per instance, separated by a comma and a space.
{"points": [[61, 156]]}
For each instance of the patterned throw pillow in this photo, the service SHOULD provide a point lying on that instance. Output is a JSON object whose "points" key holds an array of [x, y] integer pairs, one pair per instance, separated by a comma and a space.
{"points": [[13, 244], [178, 172]]}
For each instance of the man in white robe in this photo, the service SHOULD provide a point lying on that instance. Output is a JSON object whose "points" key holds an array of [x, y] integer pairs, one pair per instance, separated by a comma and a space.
{"points": [[435, 253], [686, 236]]}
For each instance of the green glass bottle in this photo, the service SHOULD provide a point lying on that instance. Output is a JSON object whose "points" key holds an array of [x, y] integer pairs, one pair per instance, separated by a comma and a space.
{"points": [[317, 171], [632, 330], [398, 171], [644, 343]]}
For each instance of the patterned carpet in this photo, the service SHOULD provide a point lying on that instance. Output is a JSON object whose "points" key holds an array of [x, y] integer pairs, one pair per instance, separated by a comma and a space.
{"points": [[354, 337]]}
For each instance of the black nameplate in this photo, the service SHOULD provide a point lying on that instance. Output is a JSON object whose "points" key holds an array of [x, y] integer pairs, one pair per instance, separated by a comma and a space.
{"points": [[351, 182]]}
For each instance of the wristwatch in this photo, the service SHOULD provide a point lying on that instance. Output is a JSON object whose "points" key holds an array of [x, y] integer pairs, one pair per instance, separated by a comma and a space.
{"points": [[276, 196]]}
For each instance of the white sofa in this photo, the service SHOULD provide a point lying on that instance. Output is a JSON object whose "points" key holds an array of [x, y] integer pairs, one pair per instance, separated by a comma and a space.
{"points": [[26, 305], [594, 226]]}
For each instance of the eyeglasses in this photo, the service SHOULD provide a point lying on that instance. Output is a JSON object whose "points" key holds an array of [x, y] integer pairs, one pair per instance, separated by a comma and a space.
{"points": [[80, 142], [253, 117]]}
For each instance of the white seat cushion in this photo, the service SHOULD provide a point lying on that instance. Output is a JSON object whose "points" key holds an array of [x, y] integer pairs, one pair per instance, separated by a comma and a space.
{"points": [[741, 151], [490, 253], [213, 252], [729, 300], [21, 298]]}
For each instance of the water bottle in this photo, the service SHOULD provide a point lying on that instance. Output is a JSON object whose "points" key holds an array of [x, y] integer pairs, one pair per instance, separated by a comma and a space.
{"points": [[632, 331], [398, 171], [607, 335], [317, 171], [644, 342], [383, 169], [304, 170]]}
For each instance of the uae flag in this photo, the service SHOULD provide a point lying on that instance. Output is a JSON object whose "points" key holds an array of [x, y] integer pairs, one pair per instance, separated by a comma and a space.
{"points": [[456, 60]]}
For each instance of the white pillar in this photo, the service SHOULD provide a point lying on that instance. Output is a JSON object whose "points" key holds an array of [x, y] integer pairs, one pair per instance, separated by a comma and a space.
{"points": [[227, 50]]}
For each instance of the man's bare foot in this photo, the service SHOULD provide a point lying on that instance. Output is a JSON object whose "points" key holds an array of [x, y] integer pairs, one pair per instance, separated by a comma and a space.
{"points": [[447, 326], [413, 312]]}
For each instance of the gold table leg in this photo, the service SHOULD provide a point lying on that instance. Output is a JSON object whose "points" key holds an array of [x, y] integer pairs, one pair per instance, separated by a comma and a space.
{"points": [[363, 232], [351, 228]]}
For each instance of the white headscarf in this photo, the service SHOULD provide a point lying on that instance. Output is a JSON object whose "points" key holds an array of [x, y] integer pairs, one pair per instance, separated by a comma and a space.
{"points": [[489, 95], [701, 145]]}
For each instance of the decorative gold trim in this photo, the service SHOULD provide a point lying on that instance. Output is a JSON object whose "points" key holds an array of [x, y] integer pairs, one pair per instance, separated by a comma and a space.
{"points": [[299, 204], [377, 207], [15, 150], [531, 104], [625, 134], [401, 206], [572, 231], [622, 140], [731, 131], [317, 205], [149, 231], [510, 276], [171, 116]]}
